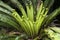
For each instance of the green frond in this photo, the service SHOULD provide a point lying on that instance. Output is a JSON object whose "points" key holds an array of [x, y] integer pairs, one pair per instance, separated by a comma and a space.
{"points": [[51, 16]]}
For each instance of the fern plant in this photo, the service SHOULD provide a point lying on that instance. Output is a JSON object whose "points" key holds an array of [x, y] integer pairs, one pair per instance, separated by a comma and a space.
{"points": [[33, 22]]}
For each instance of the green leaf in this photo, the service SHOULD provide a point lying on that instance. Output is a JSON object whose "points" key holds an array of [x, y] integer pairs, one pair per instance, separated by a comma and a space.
{"points": [[48, 3], [52, 34], [39, 11], [6, 19], [30, 11], [20, 7], [2, 4], [51, 16], [56, 29]]}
